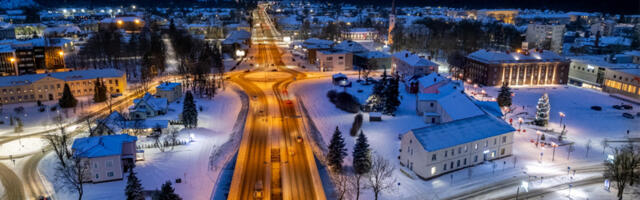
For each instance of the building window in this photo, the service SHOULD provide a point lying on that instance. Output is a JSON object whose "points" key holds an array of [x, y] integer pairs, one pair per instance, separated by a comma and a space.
{"points": [[459, 150], [495, 141], [109, 163], [431, 104], [446, 153], [445, 166], [504, 139], [476, 147], [110, 174], [465, 162], [433, 157], [486, 143], [433, 170], [458, 163], [475, 159], [453, 152], [451, 165], [502, 151], [493, 154]]}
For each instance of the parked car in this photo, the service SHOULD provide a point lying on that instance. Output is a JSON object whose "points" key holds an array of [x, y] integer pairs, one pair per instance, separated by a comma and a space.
{"points": [[627, 115], [627, 107], [598, 108], [617, 107]]}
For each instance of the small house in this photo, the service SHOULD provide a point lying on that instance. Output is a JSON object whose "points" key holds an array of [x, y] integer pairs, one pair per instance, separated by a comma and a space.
{"points": [[108, 156]]}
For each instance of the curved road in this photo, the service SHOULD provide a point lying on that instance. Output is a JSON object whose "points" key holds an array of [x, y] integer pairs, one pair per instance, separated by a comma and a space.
{"points": [[11, 183]]}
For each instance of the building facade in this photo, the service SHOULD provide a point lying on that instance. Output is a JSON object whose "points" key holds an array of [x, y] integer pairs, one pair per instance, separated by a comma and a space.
{"points": [[48, 87], [169, 91], [529, 67], [623, 82], [107, 157], [334, 60], [407, 64], [435, 150], [545, 36]]}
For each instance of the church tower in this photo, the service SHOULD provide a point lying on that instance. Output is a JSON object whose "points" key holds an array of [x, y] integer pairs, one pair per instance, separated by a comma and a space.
{"points": [[392, 22]]}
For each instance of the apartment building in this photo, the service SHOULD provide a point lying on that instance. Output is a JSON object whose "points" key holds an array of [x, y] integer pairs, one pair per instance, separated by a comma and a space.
{"points": [[545, 36], [48, 87], [408, 64]]}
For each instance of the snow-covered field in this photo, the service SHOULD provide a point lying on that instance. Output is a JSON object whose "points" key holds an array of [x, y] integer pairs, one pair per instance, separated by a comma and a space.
{"points": [[583, 124], [189, 162]]}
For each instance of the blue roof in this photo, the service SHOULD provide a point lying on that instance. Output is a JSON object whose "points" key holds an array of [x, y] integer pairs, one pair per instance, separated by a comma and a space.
{"points": [[100, 146], [168, 86], [461, 131], [146, 123], [491, 107]]}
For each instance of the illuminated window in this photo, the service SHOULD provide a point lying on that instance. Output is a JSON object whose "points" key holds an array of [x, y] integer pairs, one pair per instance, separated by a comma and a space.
{"points": [[631, 89], [433, 170]]}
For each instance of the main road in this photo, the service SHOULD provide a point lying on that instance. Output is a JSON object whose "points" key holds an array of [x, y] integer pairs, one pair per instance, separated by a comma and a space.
{"points": [[274, 152]]}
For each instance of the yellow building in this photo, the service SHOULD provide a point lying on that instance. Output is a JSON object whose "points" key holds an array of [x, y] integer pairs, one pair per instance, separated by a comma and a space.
{"points": [[48, 87]]}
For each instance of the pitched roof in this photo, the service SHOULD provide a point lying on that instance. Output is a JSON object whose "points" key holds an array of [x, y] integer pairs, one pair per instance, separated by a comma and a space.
{"points": [[451, 98], [113, 122], [65, 76], [100, 146], [146, 123], [350, 46], [461, 131], [153, 102], [412, 59], [168, 86]]}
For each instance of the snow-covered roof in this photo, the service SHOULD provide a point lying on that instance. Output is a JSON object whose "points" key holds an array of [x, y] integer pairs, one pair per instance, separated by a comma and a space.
{"points": [[491, 107], [332, 51], [290, 20], [497, 57], [153, 102], [601, 61], [168, 86], [374, 54], [461, 131], [113, 122], [62, 29], [237, 36], [65, 76], [451, 97], [412, 59], [6, 49], [350, 46], [146, 124], [100, 146]]}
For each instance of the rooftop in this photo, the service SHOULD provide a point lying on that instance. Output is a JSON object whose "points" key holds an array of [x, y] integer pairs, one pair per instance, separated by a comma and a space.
{"points": [[461, 131], [100, 146], [65, 76], [168, 86], [498, 57], [413, 59]]}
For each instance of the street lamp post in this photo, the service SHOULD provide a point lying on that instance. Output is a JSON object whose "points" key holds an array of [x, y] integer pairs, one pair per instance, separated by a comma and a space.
{"points": [[554, 145], [520, 124], [538, 138], [561, 117]]}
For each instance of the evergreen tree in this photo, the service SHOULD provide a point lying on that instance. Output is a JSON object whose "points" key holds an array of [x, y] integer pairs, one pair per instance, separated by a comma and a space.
{"points": [[337, 151], [504, 96], [361, 155], [67, 100], [167, 192], [189, 111], [376, 101], [99, 91], [134, 188], [542, 110], [391, 95]]}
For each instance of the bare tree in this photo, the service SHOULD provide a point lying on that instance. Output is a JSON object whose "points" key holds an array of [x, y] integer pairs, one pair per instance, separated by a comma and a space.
{"points": [[72, 173], [380, 176], [621, 169], [172, 136], [59, 143], [344, 185]]}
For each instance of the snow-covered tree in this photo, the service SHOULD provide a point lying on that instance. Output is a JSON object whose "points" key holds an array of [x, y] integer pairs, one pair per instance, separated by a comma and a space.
{"points": [[391, 96], [189, 111], [167, 192], [134, 188], [504, 96], [376, 101], [542, 110], [361, 160], [67, 100], [337, 151]]}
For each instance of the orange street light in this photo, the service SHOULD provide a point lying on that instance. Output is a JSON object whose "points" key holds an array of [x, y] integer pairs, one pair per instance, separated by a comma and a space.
{"points": [[61, 53], [137, 21], [12, 60], [119, 22]]}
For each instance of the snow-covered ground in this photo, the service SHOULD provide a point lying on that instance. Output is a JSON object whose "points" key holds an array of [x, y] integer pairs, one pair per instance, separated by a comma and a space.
{"points": [[583, 124], [191, 162]]}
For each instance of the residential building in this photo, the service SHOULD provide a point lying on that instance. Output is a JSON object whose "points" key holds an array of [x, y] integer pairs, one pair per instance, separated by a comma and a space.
{"points": [[378, 59], [312, 45], [589, 71], [526, 67], [334, 60], [169, 91], [148, 106], [438, 149], [545, 36], [48, 87], [407, 64], [360, 34], [108, 157], [236, 41], [116, 123], [7, 61], [130, 24]]}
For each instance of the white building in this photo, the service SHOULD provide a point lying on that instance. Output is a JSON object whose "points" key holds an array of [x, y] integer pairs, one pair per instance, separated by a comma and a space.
{"points": [[545, 36], [407, 64], [334, 60], [434, 150], [170, 91], [148, 106]]}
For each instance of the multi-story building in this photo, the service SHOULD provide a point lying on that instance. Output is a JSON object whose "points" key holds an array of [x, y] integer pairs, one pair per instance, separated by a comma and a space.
{"points": [[360, 34], [7, 61], [170, 91], [408, 64], [34, 56], [108, 157], [462, 131], [528, 67], [334, 60], [128, 23], [545, 36], [504, 15], [49, 86]]}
